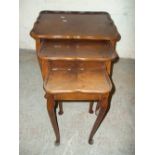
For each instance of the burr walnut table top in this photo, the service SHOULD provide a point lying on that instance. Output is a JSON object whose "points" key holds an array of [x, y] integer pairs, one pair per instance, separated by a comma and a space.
{"points": [[75, 25], [77, 50]]}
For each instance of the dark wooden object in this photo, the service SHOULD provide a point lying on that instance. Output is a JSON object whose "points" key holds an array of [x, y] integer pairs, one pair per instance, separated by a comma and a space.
{"points": [[75, 25], [75, 51]]}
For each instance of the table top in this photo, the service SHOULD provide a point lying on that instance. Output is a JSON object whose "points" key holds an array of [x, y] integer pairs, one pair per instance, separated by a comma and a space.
{"points": [[77, 50], [78, 80], [75, 25]]}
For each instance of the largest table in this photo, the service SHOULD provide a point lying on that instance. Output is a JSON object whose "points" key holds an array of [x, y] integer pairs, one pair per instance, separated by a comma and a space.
{"points": [[75, 51]]}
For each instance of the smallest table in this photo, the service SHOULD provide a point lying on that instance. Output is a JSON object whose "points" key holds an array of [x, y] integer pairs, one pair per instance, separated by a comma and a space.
{"points": [[77, 84]]}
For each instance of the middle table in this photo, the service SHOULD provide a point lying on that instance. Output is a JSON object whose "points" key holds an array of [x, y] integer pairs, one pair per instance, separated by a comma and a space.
{"points": [[77, 50]]}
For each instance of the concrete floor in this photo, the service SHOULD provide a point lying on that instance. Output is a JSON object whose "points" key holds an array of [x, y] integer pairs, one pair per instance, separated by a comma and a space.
{"points": [[115, 135]]}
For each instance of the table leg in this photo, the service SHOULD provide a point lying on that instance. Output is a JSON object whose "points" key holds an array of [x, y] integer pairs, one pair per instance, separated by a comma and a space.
{"points": [[53, 118], [91, 107], [97, 108], [60, 107], [102, 113]]}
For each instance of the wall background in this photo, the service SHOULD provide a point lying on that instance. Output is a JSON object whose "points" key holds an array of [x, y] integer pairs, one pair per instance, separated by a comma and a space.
{"points": [[122, 12]]}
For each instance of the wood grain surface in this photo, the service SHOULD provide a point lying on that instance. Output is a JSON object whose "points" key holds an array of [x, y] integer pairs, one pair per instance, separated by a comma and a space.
{"points": [[77, 50], [75, 25], [78, 80]]}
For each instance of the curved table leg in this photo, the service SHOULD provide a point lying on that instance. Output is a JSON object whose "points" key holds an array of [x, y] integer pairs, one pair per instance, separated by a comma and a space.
{"points": [[53, 118], [91, 107], [102, 113]]}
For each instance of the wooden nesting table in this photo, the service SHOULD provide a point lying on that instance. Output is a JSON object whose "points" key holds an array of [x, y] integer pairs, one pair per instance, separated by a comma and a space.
{"points": [[75, 51]]}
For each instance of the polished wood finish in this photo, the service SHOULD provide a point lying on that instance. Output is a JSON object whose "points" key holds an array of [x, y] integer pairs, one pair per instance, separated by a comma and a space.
{"points": [[77, 80], [102, 113], [52, 114], [78, 96], [75, 51], [75, 25], [71, 65]]}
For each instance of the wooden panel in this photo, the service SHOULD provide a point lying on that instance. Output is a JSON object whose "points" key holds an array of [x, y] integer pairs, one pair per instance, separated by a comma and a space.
{"points": [[62, 64], [75, 25], [78, 80], [77, 50], [77, 96]]}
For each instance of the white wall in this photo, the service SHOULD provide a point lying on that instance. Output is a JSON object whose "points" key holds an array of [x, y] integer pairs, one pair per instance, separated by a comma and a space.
{"points": [[122, 12]]}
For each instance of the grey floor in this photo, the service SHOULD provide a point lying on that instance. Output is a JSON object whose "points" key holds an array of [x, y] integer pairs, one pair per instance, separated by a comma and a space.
{"points": [[115, 135]]}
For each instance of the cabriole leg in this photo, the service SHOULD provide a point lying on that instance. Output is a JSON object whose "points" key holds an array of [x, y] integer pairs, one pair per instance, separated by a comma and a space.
{"points": [[53, 118], [102, 113]]}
